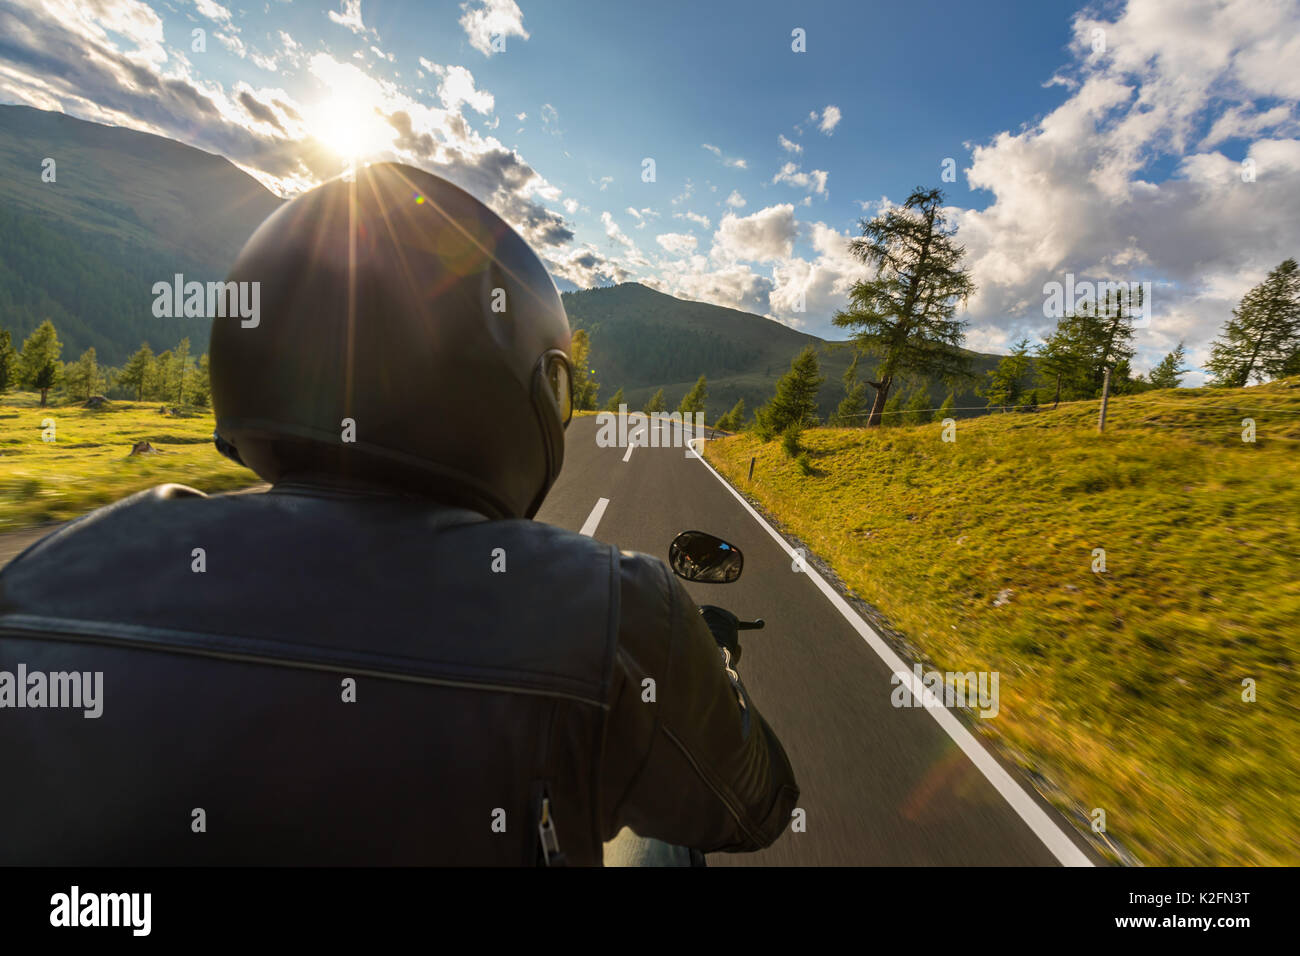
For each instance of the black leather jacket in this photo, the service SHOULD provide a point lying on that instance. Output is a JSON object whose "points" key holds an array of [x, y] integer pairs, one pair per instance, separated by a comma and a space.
{"points": [[322, 676]]}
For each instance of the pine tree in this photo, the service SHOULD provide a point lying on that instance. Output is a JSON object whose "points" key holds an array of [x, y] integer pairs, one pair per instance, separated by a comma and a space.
{"points": [[1169, 370], [1063, 359], [585, 387], [38, 365], [162, 377], [1114, 312], [734, 420], [892, 413], [8, 362], [184, 376], [693, 401], [915, 411], [737, 414], [656, 403], [795, 401], [135, 373], [790, 439], [201, 391], [1005, 383], [1092, 338], [1263, 334], [83, 377], [904, 315], [617, 400], [945, 410], [850, 413]]}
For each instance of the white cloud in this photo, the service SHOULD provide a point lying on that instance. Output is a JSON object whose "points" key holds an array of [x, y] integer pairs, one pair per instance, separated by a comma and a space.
{"points": [[733, 161], [734, 286], [485, 19], [235, 45], [614, 232], [765, 235], [789, 145], [735, 200], [213, 10], [693, 217], [350, 17], [586, 266], [814, 181], [1073, 194], [830, 119], [457, 87], [1243, 122], [290, 48], [821, 285], [678, 243], [550, 119], [642, 216]]}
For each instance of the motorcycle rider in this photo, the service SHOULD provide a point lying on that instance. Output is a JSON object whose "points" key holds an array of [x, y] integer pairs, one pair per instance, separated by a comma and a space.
{"points": [[381, 659]]}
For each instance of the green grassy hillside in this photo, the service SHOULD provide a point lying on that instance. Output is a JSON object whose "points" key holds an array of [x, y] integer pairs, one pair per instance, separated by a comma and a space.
{"points": [[1120, 690]]}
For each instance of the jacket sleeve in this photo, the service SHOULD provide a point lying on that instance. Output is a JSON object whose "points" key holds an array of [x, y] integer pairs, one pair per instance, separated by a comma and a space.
{"points": [[687, 758]]}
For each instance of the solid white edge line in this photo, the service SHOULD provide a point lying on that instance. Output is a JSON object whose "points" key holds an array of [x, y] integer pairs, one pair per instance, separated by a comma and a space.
{"points": [[593, 519], [1043, 826]]}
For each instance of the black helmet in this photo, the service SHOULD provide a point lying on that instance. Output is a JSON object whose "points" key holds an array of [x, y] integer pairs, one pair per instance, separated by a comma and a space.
{"points": [[406, 336]]}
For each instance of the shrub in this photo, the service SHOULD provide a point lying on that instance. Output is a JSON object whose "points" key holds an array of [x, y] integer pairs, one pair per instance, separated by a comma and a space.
{"points": [[790, 440]]}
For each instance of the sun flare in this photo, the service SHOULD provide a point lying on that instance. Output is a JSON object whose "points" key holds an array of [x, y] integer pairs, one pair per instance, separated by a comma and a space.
{"points": [[350, 129], [349, 119]]}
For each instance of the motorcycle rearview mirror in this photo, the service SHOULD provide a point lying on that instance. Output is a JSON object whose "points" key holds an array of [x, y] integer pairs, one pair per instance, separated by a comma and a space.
{"points": [[697, 556]]}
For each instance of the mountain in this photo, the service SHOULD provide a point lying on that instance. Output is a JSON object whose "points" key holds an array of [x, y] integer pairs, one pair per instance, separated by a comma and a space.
{"points": [[642, 340], [128, 209], [125, 210]]}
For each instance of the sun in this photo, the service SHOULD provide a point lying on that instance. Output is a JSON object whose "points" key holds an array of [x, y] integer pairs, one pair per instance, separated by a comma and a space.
{"points": [[350, 128], [349, 119]]}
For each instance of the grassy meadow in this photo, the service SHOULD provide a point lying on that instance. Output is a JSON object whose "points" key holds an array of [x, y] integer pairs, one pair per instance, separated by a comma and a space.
{"points": [[1120, 690], [89, 464]]}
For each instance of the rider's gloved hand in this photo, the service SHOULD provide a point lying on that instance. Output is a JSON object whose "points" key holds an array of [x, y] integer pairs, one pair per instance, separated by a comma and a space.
{"points": [[725, 628]]}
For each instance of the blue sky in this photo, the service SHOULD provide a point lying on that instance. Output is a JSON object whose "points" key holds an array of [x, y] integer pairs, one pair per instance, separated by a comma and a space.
{"points": [[1104, 141]]}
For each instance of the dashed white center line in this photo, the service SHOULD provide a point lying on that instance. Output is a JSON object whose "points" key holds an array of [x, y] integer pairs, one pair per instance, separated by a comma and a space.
{"points": [[593, 519], [628, 453]]}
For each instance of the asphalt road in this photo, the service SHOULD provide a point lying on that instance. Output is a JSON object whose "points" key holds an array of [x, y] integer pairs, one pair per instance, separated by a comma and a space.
{"points": [[880, 785]]}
